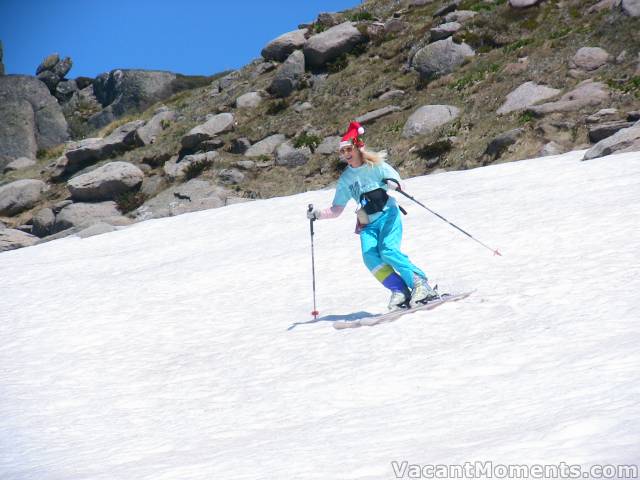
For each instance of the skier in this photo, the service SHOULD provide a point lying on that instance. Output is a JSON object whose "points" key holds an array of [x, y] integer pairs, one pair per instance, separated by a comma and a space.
{"points": [[379, 223]]}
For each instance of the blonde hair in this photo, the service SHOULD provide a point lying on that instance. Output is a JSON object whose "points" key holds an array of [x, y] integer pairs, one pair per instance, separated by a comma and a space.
{"points": [[373, 158]]}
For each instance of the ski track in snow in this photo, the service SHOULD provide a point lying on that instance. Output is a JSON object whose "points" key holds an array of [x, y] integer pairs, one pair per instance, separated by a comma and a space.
{"points": [[162, 351]]}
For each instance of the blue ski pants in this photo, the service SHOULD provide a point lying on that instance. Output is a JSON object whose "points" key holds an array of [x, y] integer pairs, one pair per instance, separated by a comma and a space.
{"points": [[380, 242]]}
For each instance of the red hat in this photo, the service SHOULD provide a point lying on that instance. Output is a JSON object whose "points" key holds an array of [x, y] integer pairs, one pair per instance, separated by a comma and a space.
{"points": [[352, 137]]}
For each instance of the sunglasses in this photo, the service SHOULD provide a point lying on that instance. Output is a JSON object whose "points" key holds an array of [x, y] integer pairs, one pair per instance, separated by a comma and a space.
{"points": [[345, 150]]}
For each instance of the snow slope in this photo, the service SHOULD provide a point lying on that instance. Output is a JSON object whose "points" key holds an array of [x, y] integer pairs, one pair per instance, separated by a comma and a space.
{"points": [[164, 350]]}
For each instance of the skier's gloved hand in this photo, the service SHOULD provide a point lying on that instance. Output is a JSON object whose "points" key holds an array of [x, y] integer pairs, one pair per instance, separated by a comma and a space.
{"points": [[313, 214], [393, 184]]}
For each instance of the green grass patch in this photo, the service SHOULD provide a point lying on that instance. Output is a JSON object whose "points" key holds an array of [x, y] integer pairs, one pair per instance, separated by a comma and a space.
{"points": [[526, 117], [338, 64], [307, 140], [318, 28], [563, 32], [50, 153], [363, 16], [475, 76], [277, 106], [631, 85], [517, 45]]}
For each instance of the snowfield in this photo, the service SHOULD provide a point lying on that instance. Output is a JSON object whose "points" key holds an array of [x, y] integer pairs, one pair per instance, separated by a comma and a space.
{"points": [[178, 349]]}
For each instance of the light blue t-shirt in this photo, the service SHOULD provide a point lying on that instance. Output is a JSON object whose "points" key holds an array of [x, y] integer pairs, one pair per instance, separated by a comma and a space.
{"points": [[355, 181]]}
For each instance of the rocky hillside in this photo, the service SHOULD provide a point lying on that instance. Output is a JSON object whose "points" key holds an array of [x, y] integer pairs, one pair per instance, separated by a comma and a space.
{"points": [[438, 84]]}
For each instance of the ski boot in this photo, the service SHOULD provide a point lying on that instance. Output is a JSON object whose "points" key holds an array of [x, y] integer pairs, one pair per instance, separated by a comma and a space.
{"points": [[422, 292], [398, 300]]}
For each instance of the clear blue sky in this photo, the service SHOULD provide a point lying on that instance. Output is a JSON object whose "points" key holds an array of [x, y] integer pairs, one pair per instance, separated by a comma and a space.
{"points": [[195, 37]]}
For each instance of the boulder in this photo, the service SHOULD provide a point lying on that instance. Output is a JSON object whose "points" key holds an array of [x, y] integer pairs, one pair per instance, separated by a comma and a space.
{"points": [[603, 5], [82, 215], [603, 130], [447, 8], [395, 25], [288, 76], [551, 148], [631, 7], [106, 182], [443, 31], [329, 146], [177, 167], [460, 16], [302, 107], [91, 150], [156, 125], [124, 91], [249, 100], [376, 114], [231, 176], [523, 3], [329, 19], [603, 114], [191, 196], [48, 63], [283, 46], [20, 195], [229, 80], [52, 71], [96, 229], [392, 95], [289, 156], [19, 164], [441, 57], [330, 44], [11, 239], [246, 164], [502, 142], [40, 123], [17, 129], [43, 222], [263, 67], [152, 185], [65, 89], [586, 94], [265, 146], [526, 95], [375, 31], [590, 58], [428, 118], [626, 140], [223, 122]]}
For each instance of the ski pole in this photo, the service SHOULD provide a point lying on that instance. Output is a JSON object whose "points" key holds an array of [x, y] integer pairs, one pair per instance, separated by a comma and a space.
{"points": [[315, 312], [399, 189]]}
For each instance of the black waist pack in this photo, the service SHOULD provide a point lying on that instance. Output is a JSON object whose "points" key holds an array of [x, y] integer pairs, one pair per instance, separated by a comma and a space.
{"points": [[374, 201]]}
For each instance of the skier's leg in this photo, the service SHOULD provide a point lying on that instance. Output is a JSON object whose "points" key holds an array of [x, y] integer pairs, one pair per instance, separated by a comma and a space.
{"points": [[389, 248], [383, 272]]}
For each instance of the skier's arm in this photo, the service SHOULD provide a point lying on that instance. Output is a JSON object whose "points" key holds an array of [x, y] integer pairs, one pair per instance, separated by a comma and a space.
{"points": [[340, 200], [331, 212]]}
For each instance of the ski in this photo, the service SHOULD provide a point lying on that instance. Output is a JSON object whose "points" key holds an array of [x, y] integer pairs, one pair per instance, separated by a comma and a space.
{"points": [[396, 314]]}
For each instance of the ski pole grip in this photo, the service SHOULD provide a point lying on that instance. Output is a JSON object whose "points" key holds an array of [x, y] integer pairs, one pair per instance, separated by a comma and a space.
{"points": [[311, 220], [393, 180]]}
